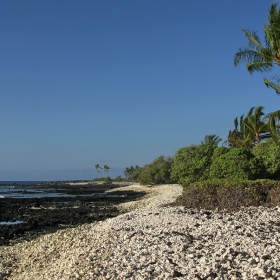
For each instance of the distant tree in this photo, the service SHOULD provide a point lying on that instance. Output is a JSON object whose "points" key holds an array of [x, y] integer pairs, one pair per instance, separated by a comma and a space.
{"points": [[106, 169], [97, 167], [130, 173], [118, 178], [158, 172], [259, 57], [212, 140]]}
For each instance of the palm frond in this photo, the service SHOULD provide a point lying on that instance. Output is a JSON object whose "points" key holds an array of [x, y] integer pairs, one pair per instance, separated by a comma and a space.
{"points": [[274, 126], [259, 66], [257, 60], [236, 123], [247, 55], [275, 85], [211, 139], [254, 41], [259, 57]]}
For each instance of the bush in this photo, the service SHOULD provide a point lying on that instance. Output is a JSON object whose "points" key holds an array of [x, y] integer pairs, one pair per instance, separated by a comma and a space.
{"points": [[131, 173], [268, 154], [230, 195], [236, 163], [104, 179], [219, 151], [158, 172], [118, 178], [192, 163]]}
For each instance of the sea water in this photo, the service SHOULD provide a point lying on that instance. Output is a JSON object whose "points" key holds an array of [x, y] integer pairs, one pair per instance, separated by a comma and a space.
{"points": [[24, 189], [11, 223], [30, 189]]}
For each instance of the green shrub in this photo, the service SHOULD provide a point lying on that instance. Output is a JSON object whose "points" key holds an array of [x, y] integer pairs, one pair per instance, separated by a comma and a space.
{"points": [[118, 178], [268, 153], [236, 163], [104, 179], [131, 173], [108, 179], [219, 151], [192, 163], [158, 172]]}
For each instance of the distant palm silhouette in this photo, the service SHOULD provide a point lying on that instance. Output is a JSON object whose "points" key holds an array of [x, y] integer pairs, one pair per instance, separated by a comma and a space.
{"points": [[106, 169], [97, 166]]}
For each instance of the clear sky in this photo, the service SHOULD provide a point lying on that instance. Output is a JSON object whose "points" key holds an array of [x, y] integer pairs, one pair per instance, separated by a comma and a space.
{"points": [[120, 82]]}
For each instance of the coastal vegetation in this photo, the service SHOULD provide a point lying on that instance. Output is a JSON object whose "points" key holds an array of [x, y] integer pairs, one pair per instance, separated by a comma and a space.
{"points": [[97, 167], [245, 169], [158, 172], [105, 168]]}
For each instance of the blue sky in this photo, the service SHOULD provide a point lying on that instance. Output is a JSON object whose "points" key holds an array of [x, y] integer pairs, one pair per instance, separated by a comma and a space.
{"points": [[120, 82]]}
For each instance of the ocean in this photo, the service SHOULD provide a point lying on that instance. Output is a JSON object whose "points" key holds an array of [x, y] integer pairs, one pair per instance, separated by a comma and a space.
{"points": [[29, 207], [31, 189]]}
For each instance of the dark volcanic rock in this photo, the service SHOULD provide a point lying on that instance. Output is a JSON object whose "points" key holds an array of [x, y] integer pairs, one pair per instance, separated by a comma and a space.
{"points": [[49, 214]]}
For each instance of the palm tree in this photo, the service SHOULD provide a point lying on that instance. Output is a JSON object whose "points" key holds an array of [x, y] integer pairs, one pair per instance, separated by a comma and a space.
{"points": [[274, 126], [249, 130], [259, 57], [106, 169], [256, 125], [238, 137], [130, 173], [211, 140], [97, 166]]}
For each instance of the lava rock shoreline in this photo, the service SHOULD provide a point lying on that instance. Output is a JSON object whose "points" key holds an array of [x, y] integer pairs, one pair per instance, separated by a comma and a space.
{"points": [[154, 242], [49, 214]]}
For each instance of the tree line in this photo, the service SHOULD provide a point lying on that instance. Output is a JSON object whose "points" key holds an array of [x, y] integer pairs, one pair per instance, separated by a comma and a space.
{"points": [[252, 148]]}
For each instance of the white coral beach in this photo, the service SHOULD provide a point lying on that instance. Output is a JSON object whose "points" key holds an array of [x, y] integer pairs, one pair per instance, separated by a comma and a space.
{"points": [[153, 242]]}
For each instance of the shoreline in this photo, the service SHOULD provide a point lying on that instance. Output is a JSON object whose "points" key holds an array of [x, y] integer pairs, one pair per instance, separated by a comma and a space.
{"points": [[153, 242], [58, 207]]}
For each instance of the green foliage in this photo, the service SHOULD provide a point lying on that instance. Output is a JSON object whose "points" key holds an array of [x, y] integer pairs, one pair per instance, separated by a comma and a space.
{"points": [[130, 173], [237, 136], [249, 130], [106, 169], [192, 163], [274, 126], [97, 167], [118, 178], [104, 179], [268, 154], [212, 139], [108, 179], [236, 163], [158, 172], [219, 151], [263, 57], [256, 125]]}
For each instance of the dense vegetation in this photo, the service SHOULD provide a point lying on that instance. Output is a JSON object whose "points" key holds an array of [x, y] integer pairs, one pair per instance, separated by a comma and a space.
{"points": [[245, 170]]}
